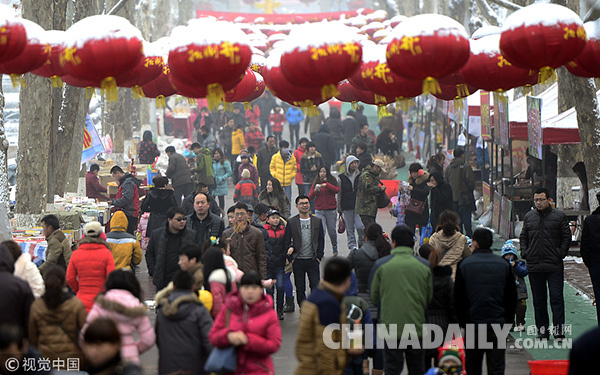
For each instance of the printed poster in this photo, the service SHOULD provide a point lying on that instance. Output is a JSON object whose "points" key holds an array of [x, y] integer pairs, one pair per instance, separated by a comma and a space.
{"points": [[534, 126]]}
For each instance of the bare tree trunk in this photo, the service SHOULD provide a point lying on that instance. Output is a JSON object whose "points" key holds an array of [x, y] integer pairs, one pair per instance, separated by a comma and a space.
{"points": [[4, 195]]}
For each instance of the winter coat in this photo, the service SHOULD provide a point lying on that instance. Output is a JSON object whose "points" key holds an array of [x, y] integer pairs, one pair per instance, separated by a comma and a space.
{"points": [[460, 176], [263, 162], [294, 115], [277, 120], [215, 226], [274, 246], [367, 139], [156, 253], [385, 122], [519, 271], [281, 202], [334, 123], [218, 287], [188, 206], [441, 308], [386, 146], [253, 172], [129, 314], [324, 198], [441, 199], [222, 173], [15, 295], [253, 115], [453, 249], [128, 196], [361, 118], [350, 126], [93, 188], [26, 270], [56, 332], [419, 192], [364, 160], [265, 103], [210, 142], [348, 187], [254, 138], [157, 202], [237, 142], [298, 156], [435, 167], [204, 168], [313, 123], [325, 145], [590, 239], [260, 324], [366, 197], [178, 170], [293, 236], [484, 291], [248, 249], [225, 136], [322, 308], [115, 367], [306, 164], [182, 328], [284, 171], [362, 261], [246, 192], [402, 281], [89, 267], [124, 246], [58, 251], [545, 240], [148, 152]]}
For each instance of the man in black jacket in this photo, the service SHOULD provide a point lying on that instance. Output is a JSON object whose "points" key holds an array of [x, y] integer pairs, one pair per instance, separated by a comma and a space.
{"points": [[306, 255], [545, 241], [590, 251], [325, 144], [204, 223], [485, 293], [263, 161], [162, 254]]}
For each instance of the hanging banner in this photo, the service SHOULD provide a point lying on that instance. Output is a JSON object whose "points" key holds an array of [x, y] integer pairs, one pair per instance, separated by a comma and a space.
{"points": [[92, 145], [486, 126], [505, 217], [487, 194], [496, 211], [501, 111], [534, 126]]}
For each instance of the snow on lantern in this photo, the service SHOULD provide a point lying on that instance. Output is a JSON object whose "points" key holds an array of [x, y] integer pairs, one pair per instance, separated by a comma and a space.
{"points": [[427, 47], [350, 94], [13, 37], [160, 87], [210, 54], [99, 48], [257, 63], [488, 70], [320, 55], [34, 55], [587, 64], [51, 68], [150, 67], [356, 78], [542, 37]]}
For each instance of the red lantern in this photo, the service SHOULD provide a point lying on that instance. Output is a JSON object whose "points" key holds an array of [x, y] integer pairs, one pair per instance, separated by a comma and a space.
{"points": [[33, 56], [188, 90], [321, 55], [259, 88], [150, 67], [379, 78], [242, 89], [349, 93], [52, 69], [356, 79], [457, 80], [209, 54], [77, 82], [587, 64], [160, 87], [451, 92], [100, 48], [427, 47], [490, 71], [13, 37], [257, 63], [542, 37]]}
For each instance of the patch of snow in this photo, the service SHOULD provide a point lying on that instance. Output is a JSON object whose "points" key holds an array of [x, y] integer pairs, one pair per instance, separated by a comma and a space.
{"points": [[486, 31], [377, 15], [54, 37], [205, 32], [592, 29], [429, 25], [489, 45], [100, 27], [374, 53], [541, 14], [35, 33], [305, 36]]}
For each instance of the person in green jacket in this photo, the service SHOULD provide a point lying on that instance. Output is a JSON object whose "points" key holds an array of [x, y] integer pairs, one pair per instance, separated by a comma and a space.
{"points": [[204, 165], [368, 188], [402, 287]]}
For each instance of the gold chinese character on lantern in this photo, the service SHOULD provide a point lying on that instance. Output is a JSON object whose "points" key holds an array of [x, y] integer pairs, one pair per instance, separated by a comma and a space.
{"points": [[334, 49], [194, 55], [380, 72], [569, 33], [367, 73], [211, 51], [503, 62], [352, 49], [229, 50], [69, 55], [408, 44]]}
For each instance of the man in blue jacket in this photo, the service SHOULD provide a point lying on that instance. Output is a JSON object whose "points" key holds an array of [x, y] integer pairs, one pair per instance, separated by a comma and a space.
{"points": [[294, 117]]}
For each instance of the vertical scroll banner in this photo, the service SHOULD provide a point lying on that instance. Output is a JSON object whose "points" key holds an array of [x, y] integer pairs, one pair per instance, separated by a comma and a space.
{"points": [[92, 145], [486, 126], [487, 194], [501, 111], [534, 126]]}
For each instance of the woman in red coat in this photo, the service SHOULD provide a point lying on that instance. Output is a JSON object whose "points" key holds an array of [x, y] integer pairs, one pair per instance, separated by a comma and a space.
{"points": [[323, 192], [249, 322], [90, 265]]}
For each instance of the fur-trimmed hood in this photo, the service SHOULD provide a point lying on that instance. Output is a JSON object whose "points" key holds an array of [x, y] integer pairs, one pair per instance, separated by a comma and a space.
{"points": [[122, 302], [179, 304], [419, 180]]}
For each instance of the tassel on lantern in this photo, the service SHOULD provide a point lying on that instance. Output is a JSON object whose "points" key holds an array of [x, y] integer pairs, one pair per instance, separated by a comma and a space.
{"points": [[228, 106], [329, 91], [404, 103], [247, 106], [462, 90], [56, 81], [354, 105], [17, 80], [138, 92], [431, 86], [313, 111], [527, 90], [161, 102], [501, 97], [192, 101], [108, 87], [90, 92], [215, 95], [382, 111], [459, 104], [547, 73]]}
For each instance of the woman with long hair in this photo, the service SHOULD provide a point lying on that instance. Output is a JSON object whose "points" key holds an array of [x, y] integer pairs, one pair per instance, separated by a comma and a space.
{"points": [[436, 163], [124, 304], [218, 278], [56, 318], [222, 172], [274, 196], [158, 201], [148, 150], [323, 191], [448, 239]]}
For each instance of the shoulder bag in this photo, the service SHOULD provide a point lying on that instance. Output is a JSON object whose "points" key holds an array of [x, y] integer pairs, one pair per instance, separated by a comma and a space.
{"points": [[222, 360]]}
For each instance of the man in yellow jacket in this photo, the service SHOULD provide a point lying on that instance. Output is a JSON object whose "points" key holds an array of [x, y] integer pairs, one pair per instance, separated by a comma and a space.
{"points": [[124, 246], [283, 167]]}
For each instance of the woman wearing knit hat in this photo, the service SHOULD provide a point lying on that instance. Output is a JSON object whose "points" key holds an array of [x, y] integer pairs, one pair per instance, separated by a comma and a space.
{"points": [[90, 265]]}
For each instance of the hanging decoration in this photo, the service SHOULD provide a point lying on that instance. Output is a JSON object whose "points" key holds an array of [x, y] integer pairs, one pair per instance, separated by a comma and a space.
{"points": [[160, 88], [150, 67], [587, 64], [13, 37], [51, 68]]}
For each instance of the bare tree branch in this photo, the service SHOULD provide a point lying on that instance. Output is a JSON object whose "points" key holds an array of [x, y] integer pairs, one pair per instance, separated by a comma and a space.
{"points": [[117, 7], [594, 13], [507, 4], [488, 13]]}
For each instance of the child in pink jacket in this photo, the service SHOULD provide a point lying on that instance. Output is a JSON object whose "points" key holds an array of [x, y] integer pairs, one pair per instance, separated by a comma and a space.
{"points": [[122, 302]]}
